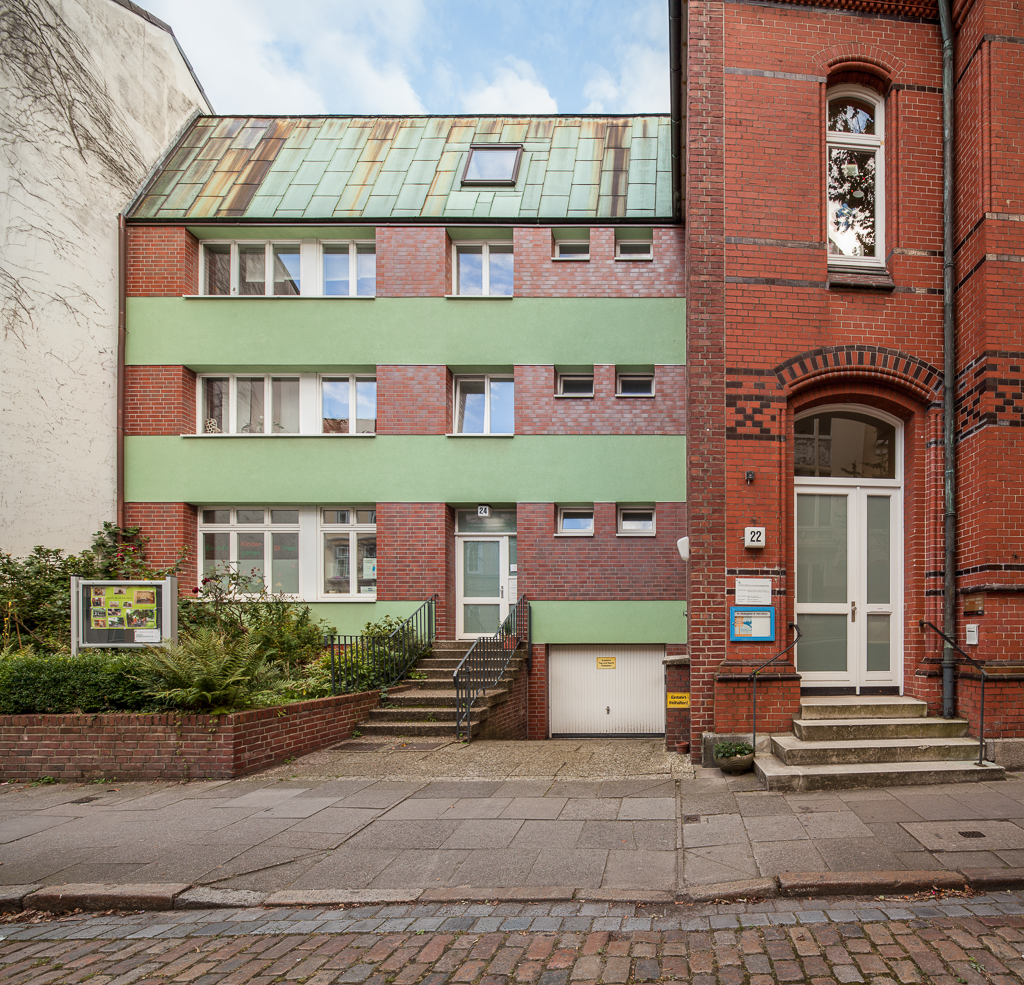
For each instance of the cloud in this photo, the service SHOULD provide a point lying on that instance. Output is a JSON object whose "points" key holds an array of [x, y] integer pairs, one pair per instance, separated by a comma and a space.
{"points": [[515, 88]]}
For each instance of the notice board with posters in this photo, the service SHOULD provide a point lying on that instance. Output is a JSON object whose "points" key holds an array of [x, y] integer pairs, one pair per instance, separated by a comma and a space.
{"points": [[123, 614]]}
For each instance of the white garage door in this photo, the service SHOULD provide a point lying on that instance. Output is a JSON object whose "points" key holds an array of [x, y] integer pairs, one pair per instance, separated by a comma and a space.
{"points": [[607, 690]]}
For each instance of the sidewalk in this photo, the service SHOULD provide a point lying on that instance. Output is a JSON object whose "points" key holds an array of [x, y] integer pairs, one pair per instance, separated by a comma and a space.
{"points": [[559, 820]]}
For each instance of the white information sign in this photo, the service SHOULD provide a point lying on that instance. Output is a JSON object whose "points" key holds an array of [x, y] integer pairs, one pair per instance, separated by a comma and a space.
{"points": [[753, 591], [147, 636]]}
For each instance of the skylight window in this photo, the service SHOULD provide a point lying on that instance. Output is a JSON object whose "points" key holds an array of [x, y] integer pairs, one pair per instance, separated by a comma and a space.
{"points": [[493, 164]]}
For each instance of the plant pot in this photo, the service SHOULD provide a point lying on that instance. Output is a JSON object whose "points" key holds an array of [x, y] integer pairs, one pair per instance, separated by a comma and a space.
{"points": [[735, 764]]}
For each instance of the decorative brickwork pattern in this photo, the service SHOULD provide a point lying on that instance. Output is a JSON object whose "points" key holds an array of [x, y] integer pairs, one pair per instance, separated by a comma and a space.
{"points": [[886, 365], [163, 261], [755, 405], [604, 567], [537, 275], [988, 395], [169, 527], [413, 399], [539, 411], [159, 400], [412, 262], [175, 747]]}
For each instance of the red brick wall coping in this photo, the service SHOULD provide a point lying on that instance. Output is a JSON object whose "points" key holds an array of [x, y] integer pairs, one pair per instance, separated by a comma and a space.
{"points": [[175, 746]]}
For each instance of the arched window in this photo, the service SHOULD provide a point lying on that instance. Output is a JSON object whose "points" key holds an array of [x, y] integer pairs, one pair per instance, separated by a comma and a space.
{"points": [[855, 186], [845, 445]]}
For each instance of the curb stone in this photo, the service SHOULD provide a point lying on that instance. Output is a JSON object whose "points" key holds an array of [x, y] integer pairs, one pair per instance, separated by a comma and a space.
{"points": [[994, 878], [866, 883], [515, 894], [335, 897], [732, 890], [208, 898], [105, 896], [12, 898], [625, 896]]}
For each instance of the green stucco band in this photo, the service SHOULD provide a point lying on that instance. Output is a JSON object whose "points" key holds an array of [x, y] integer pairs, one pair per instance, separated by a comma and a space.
{"points": [[542, 468], [349, 618], [609, 622], [327, 334]]}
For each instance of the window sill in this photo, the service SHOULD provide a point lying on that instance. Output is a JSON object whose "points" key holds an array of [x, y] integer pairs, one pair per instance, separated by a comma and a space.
{"points": [[574, 536], [634, 396], [290, 434], [861, 278], [479, 297], [649, 533], [475, 435], [634, 259], [347, 598], [573, 396], [571, 259], [279, 297]]}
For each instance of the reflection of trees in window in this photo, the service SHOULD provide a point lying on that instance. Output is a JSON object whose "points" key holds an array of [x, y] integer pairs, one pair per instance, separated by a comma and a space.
{"points": [[854, 145]]}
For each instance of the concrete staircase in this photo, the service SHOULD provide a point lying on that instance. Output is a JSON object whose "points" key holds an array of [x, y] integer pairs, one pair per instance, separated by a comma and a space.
{"points": [[428, 708], [849, 741]]}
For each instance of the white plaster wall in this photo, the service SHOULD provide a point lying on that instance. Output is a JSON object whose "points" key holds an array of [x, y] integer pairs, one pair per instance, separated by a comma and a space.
{"points": [[91, 94]]}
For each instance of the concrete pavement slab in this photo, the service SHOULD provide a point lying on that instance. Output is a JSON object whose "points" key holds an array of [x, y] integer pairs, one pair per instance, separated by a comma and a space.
{"points": [[883, 809], [655, 836], [650, 870], [458, 789], [647, 809], [420, 867], [505, 867], [524, 788], [290, 838], [894, 838], [549, 834], [297, 807], [534, 808], [855, 854], [813, 803], [585, 809], [337, 820], [188, 863], [719, 829], [775, 827], [477, 808], [936, 806], [773, 857], [918, 860], [482, 834], [263, 797], [975, 836], [575, 789], [607, 834], [990, 804], [970, 860], [21, 827], [425, 808], [715, 864], [249, 831], [837, 824], [583, 868], [760, 804], [344, 868], [386, 834], [381, 794]]}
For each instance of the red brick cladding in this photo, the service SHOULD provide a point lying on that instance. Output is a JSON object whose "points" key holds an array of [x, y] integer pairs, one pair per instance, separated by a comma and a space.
{"points": [[510, 719], [169, 527], [412, 261], [604, 567], [537, 275], [159, 400], [174, 747], [539, 411], [677, 720], [163, 261], [413, 399], [537, 709]]}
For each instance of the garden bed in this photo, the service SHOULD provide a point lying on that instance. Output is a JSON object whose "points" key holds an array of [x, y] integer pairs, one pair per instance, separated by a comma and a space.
{"points": [[175, 746]]}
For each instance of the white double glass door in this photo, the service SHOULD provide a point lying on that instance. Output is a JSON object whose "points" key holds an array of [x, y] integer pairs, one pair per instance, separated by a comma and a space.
{"points": [[486, 575], [849, 586]]}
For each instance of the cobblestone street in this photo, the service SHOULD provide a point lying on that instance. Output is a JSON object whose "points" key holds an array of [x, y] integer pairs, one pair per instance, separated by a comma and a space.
{"points": [[947, 941]]}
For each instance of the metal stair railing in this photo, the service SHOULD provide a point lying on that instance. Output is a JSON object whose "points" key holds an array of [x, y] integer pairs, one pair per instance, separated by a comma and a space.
{"points": [[753, 678], [365, 663], [984, 679], [486, 662]]}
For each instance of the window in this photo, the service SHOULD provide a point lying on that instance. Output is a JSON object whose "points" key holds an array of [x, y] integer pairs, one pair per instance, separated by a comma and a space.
{"points": [[633, 249], [483, 269], [855, 192], [240, 269], [573, 522], [634, 385], [575, 385], [484, 405], [492, 164], [845, 445], [348, 404], [244, 404], [308, 552], [349, 269], [636, 521]]}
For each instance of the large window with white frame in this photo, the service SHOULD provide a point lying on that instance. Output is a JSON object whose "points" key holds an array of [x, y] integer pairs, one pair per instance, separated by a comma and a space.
{"points": [[483, 269], [327, 553], [855, 170], [484, 405], [348, 269], [298, 403]]}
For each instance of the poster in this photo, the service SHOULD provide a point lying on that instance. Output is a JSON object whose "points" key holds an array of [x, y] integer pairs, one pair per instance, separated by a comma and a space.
{"points": [[123, 613], [751, 624], [122, 607]]}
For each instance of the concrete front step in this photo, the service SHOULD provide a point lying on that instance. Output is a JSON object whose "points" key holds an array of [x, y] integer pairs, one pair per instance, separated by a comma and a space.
{"points": [[776, 775], [838, 729], [423, 697], [794, 752], [816, 707], [389, 730]]}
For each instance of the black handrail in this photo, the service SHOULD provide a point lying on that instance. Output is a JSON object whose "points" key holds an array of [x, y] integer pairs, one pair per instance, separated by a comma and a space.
{"points": [[486, 662], [984, 678], [381, 661], [753, 677]]}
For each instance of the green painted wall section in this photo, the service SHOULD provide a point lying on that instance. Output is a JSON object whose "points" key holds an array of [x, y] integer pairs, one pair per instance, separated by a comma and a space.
{"points": [[406, 468], [609, 622], [243, 334], [349, 618]]}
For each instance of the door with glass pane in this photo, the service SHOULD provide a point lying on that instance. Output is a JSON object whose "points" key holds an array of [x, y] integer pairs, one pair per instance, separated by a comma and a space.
{"points": [[486, 565], [849, 586]]}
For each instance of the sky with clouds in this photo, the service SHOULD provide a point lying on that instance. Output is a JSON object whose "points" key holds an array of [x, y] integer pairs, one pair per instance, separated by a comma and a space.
{"points": [[425, 56]]}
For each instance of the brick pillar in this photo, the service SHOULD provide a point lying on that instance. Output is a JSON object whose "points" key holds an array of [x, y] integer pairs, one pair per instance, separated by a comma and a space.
{"points": [[677, 720], [705, 293]]}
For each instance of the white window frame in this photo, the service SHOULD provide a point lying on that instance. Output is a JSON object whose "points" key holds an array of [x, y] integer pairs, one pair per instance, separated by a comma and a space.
{"points": [[353, 279], [563, 510], [310, 528], [268, 252], [860, 142], [619, 255], [310, 405], [620, 532], [486, 378], [577, 257], [353, 379], [486, 264], [830, 480], [353, 530], [619, 377], [560, 391]]}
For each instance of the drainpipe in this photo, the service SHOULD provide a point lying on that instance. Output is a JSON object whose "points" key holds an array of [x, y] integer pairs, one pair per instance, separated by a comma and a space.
{"points": [[122, 337], [949, 365], [675, 52]]}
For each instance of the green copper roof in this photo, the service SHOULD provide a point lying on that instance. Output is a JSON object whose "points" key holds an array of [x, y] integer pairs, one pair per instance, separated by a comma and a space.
{"points": [[328, 168]]}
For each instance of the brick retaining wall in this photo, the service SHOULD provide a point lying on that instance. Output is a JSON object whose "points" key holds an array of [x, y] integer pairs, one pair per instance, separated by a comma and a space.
{"points": [[174, 746]]}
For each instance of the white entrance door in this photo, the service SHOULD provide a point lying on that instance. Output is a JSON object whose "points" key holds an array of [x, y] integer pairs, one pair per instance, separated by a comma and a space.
{"points": [[849, 547], [486, 578]]}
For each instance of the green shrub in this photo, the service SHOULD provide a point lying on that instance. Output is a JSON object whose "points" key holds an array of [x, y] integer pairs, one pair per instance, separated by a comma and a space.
{"points": [[728, 750], [94, 681]]}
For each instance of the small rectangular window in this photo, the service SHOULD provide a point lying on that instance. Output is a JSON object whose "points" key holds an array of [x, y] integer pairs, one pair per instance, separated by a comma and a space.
{"points": [[576, 522], [575, 385], [636, 521], [484, 405], [286, 270], [572, 249], [218, 268], [348, 405], [252, 269], [492, 164], [634, 249], [635, 385]]}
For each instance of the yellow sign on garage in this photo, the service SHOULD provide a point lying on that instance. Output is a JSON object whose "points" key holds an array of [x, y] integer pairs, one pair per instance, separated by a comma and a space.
{"points": [[605, 663], [678, 699]]}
